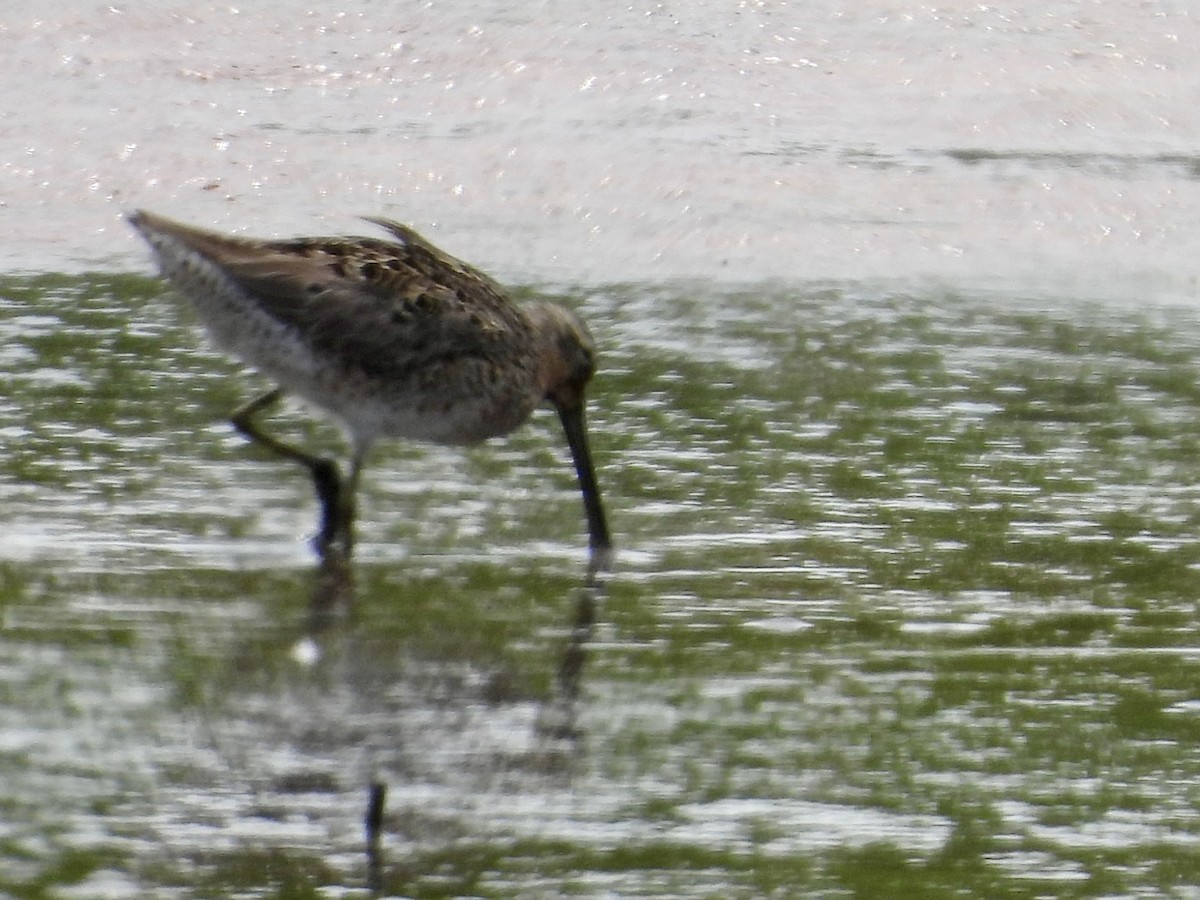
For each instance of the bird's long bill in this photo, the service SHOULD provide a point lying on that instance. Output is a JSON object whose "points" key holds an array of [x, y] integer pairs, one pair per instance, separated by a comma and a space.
{"points": [[599, 540]]}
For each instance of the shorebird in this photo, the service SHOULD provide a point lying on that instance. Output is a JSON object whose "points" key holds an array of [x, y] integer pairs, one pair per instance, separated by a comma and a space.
{"points": [[393, 338]]}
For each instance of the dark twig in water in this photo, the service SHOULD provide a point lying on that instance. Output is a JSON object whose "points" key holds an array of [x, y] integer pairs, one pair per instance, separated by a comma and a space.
{"points": [[373, 821]]}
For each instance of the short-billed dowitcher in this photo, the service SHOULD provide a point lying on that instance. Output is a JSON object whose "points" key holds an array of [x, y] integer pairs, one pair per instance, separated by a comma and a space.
{"points": [[394, 338]]}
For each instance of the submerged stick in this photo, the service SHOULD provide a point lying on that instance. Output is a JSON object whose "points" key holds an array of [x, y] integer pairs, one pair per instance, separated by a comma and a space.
{"points": [[373, 821]]}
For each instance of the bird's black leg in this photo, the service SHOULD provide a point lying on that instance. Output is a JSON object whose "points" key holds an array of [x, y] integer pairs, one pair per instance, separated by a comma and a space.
{"points": [[336, 507], [328, 482]]}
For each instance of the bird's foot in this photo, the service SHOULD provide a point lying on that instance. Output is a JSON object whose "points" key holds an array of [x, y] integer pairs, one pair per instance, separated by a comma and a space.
{"points": [[335, 535]]}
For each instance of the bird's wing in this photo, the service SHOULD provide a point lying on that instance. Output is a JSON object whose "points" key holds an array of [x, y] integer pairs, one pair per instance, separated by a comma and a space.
{"points": [[387, 308]]}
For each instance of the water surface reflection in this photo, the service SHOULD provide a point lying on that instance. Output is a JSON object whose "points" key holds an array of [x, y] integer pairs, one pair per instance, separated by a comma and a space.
{"points": [[905, 604]]}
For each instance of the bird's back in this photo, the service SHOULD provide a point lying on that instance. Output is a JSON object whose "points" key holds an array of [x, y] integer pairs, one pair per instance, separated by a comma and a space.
{"points": [[393, 337]]}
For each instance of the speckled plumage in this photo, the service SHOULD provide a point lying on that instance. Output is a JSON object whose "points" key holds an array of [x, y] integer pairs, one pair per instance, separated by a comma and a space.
{"points": [[393, 337]]}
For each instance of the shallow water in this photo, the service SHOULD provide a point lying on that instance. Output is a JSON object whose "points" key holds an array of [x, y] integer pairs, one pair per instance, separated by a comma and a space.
{"points": [[896, 423], [905, 604]]}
